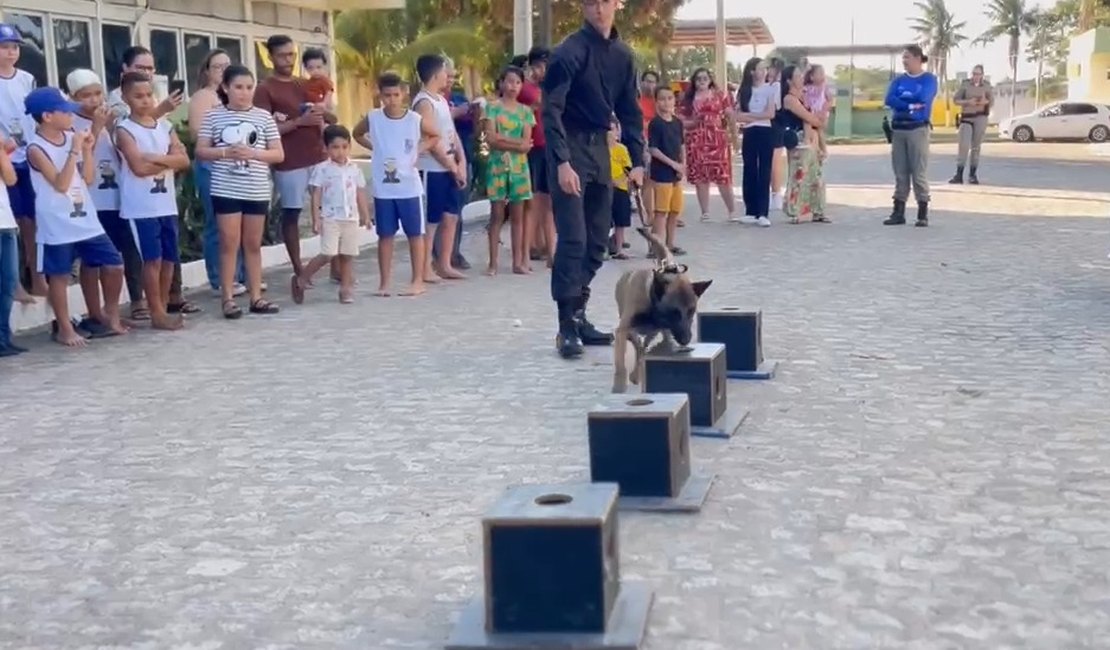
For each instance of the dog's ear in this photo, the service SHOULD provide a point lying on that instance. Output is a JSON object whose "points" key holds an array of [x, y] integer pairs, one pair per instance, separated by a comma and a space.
{"points": [[701, 286]]}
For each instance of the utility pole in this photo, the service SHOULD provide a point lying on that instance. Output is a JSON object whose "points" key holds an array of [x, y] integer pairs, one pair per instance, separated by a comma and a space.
{"points": [[722, 46], [545, 23], [522, 26]]}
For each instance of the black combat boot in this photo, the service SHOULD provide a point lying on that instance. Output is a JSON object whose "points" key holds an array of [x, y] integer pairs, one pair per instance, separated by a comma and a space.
{"points": [[958, 179], [898, 215], [589, 334], [973, 177], [922, 214], [566, 341]]}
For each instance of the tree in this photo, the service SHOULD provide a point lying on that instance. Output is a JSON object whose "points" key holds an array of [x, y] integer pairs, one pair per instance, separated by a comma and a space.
{"points": [[1010, 19], [938, 33], [867, 83]]}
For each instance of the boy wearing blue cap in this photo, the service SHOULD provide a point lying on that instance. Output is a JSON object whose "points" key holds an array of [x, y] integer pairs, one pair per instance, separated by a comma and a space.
{"points": [[62, 167], [16, 128]]}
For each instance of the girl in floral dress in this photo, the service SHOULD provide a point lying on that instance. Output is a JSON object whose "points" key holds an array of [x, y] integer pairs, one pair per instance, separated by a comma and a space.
{"points": [[708, 117], [509, 182]]}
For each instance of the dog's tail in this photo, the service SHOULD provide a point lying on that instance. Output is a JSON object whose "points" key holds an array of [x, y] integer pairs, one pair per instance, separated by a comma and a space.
{"points": [[662, 255]]}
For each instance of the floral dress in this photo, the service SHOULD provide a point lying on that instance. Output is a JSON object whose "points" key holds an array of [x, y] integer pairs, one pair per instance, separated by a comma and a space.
{"points": [[708, 151], [509, 178], [805, 177]]}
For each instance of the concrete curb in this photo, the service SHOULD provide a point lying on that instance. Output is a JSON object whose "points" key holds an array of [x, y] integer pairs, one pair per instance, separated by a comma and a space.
{"points": [[194, 277]]}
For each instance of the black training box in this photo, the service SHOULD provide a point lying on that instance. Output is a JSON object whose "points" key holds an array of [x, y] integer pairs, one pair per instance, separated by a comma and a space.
{"points": [[740, 331], [642, 443], [697, 371], [551, 559]]}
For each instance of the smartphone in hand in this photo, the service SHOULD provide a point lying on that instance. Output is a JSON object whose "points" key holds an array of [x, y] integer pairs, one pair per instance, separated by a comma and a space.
{"points": [[177, 87]]}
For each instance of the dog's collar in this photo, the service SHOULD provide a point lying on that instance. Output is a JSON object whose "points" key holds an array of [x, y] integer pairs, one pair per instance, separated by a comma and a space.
{"points": [[670, 267]]}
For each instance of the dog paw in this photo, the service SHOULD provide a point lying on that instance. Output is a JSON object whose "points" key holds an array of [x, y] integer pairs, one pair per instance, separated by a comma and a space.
{"points": [[619, 386], [634, 378]]}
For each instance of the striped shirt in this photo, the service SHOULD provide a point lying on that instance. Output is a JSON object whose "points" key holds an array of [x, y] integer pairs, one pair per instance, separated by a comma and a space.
{"points": [[248, 180]]}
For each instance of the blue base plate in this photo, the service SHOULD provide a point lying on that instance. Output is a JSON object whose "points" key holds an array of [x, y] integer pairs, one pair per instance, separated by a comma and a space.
{"points": [[627, 627], [724, 427], [690, 499], [766, 370]]}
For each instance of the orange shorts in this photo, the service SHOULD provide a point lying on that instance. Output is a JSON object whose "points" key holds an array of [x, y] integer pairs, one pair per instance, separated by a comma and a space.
{"points": [[668, 197]]}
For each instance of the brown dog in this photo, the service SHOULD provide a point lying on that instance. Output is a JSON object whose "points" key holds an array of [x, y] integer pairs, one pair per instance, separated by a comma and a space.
{"points": [[650, 302]]}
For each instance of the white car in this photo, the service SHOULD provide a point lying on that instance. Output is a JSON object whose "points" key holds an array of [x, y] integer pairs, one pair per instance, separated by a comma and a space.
{"points": [[1060, 121]]}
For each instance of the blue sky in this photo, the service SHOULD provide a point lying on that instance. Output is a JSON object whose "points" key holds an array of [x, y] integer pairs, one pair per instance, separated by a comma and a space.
{"points": [[822, 22]]}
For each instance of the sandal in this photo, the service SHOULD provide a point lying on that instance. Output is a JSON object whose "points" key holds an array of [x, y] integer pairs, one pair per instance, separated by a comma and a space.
{"points": [[261, 306], [820, 218], [183, 307], [140, 313], [232, 310], [621, 256]]}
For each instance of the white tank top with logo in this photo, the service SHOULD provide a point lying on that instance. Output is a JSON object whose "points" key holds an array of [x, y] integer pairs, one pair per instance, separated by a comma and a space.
{"points": [[144, 197], [105, 187], [393, 163], [15, 123], [62, 217], [445, 124]]}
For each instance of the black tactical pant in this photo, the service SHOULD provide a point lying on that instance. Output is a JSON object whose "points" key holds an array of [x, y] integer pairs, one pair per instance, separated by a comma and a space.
{"points": [[581, 222]]}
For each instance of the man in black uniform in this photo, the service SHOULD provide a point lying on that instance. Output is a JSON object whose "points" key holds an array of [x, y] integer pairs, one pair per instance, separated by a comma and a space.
{"points": [[590, 77]]}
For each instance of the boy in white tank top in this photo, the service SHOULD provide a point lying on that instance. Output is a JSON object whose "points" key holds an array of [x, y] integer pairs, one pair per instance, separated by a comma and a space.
{"points": [[67, 227], [396, 137], [443, 167], [150, 153], [17, 128]]}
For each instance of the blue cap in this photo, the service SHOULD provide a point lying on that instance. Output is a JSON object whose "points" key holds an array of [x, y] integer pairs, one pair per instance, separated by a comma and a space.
{"points": [[47, 100], [9, 34]]}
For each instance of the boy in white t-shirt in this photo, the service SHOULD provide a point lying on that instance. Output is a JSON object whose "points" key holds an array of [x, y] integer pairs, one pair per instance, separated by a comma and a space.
{"points": [[17, 129], [9, 257], [339, 208], [62, 167]]}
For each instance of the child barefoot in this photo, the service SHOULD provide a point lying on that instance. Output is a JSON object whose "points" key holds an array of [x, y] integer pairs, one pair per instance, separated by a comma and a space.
{"points": [[67, 225], [338, 208], [509, 134], [150, 153], [621, 164], [391, 133]]}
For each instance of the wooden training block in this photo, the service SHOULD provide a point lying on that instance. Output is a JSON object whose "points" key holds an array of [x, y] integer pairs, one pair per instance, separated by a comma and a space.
{"points": [[742, 334], [552, 575], [642, 443], [699, 372]]}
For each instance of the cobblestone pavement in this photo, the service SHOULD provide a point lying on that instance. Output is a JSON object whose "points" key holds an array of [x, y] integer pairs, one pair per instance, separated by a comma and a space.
{"points": [[929, 469]]}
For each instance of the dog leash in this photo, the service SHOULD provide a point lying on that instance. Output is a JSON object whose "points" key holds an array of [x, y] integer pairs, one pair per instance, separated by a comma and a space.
{"points": [[637, 196]]}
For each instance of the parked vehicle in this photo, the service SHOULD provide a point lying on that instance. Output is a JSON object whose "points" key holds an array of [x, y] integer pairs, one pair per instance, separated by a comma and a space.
{"points": [[1060, 121]]}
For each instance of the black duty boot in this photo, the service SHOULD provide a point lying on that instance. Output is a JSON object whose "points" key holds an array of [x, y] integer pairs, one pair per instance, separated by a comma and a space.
{"points": [[958, 179], [922, 214], [567, 342], [973, 177], [589, 334], [898, 215]]}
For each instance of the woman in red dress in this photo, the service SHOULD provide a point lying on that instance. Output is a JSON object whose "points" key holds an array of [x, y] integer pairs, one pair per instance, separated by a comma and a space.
{"points": [[708, 116]]}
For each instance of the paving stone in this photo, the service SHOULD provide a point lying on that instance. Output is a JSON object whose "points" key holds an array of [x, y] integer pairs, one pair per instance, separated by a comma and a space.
{"points": [[928, 469]]}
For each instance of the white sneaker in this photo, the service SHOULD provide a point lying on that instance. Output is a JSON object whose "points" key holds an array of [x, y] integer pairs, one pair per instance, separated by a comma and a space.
{"points": [[748, 220], [734, 218], [236, 290], [764, 222], [704, 218]]}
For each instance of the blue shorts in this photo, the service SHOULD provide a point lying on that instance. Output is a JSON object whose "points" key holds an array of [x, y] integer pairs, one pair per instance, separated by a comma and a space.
{"points": [[156, 238], [94, 253], [22, 194], [393, 214], [444, 195]]}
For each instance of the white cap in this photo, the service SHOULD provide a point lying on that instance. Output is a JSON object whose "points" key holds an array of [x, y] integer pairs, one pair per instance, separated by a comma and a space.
{"points": [[80, 79]]}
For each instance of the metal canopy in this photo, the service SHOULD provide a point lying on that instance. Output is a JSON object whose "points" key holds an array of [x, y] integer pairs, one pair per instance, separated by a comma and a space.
{"points": [[738, 32]]}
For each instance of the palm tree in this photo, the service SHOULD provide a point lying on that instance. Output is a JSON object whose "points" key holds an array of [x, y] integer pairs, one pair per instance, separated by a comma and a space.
{"points": [[1011, 19], [938, 33]]}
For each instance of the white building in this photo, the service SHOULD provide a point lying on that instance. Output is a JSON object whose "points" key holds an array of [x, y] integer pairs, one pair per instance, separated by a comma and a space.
{"points": [[61, 35]]}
